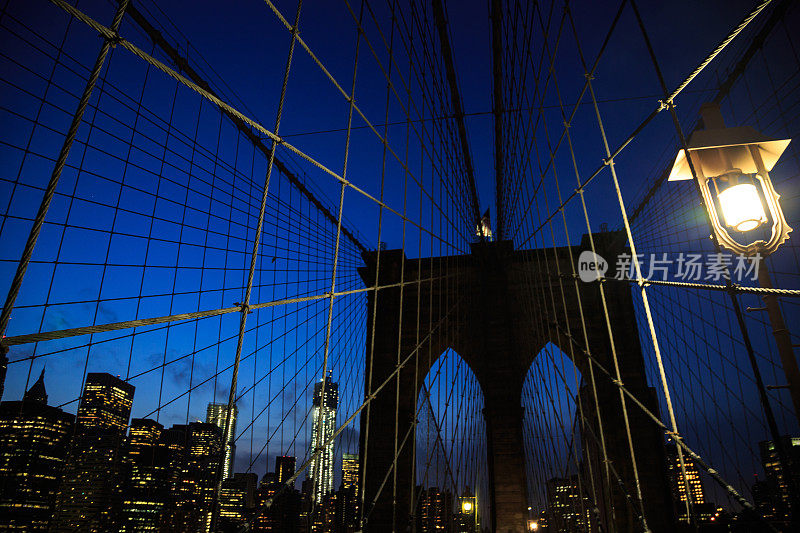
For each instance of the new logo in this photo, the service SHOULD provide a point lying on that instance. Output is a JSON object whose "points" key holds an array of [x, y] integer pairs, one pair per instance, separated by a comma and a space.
{"points": [[591, 266]]}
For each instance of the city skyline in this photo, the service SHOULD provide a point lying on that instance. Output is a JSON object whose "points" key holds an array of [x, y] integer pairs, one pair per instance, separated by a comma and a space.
{"points": [[151, 475]]}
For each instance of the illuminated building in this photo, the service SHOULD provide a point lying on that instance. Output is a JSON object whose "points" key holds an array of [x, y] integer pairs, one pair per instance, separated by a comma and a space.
{"points": [[568, 511], [105, 404], [33, 443], [678, 485], [265, 518], [434, 510], [349, 493], [204, 461], [307, 508], [283, 515], [237, 501], [89, 496], [323, 423], [3, 368], [765, 500], [284, 468], [216, 414], [777, 487], [330, 514], [181, 512], [350, 470], [147, 477]]}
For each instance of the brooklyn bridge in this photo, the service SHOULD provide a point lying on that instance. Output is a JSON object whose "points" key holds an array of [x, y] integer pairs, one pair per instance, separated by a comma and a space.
{"points": [[379, 265]]}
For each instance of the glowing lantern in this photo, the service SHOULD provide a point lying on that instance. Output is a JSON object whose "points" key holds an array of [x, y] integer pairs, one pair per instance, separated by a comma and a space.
{"points": [[736, 162]]}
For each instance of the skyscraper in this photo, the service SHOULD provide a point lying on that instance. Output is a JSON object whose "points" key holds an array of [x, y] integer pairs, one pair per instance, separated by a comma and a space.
{"points": [[205, 460], [33, 443], [216, 414], [88, 499], [349, 493], [778, 486], [284, 467], [568, 510], [323, 420], [283, 512], [237, 502], [434, 510], [349, 470], [678, 484], [3, 368], [181, 513], [146, 487]]}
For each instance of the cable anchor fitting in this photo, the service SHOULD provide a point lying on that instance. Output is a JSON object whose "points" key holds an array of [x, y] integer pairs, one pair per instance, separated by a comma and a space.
{"points": [[113, 40], [244, 308]]}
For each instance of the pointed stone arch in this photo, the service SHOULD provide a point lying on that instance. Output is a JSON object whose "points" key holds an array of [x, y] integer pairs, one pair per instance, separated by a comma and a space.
{"points": [[451, 442], [479, 305]]}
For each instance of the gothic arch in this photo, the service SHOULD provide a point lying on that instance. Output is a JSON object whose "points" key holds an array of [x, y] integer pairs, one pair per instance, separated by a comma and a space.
{"points": [[485, 312]]}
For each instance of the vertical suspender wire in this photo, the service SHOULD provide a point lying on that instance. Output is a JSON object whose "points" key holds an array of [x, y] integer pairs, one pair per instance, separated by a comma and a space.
{"points": [[689, 504], [44, 206], [253, 258], [400, 315], [645, 301], [643, 291], [579, 407], [414, 421], [668, 102], [351, 99], [602, 439], [578, 296], [524, 184], [363, 467], [617, 373]]}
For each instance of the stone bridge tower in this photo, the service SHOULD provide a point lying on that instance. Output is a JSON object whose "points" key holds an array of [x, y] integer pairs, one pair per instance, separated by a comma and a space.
{"points": [[483, 310]]}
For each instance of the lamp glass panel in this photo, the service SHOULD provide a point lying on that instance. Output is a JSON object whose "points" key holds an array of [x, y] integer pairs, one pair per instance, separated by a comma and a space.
{"points": [[741, 207]]}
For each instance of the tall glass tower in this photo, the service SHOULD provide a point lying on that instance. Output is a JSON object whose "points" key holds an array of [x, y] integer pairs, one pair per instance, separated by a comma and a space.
{"points": [[34, 438], [88, 499], [323, 424], [216, 414]]}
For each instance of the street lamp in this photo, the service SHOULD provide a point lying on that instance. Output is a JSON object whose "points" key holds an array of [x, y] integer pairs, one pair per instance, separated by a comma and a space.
{"points": [[468, 510], [735, 164], [533, 525]]}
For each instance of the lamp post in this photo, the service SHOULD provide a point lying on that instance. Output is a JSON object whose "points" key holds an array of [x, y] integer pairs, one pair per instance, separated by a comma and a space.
{"points": [[736, 162], [732, 169], [469, 510]]}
